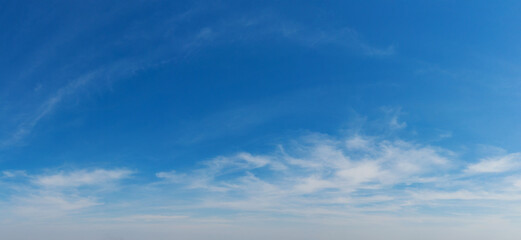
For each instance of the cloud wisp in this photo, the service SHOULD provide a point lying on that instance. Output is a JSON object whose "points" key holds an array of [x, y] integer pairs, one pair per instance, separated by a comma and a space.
{"points": [[498, 164], [246, 29], [59, 193]]}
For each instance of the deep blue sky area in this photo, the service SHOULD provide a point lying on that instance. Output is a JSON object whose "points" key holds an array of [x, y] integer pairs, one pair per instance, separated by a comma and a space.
{"points": [[240, 111]]}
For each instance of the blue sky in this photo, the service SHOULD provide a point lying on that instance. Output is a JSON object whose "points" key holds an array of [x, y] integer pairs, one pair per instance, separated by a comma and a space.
{"points": [[260, 120]]}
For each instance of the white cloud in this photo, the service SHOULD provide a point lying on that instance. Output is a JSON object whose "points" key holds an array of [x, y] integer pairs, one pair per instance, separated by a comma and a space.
{"points": [[393, 115], [312, 184], [171, 176], [505, 163], [50, 204], [13, 174], [361, 172], [58, 194], [81, 178], [358, 142], [394, 123], [316, 169]]}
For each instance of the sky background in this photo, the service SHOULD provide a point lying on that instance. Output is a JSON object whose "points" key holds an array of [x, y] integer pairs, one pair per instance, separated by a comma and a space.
{"points": [[260, 120]]}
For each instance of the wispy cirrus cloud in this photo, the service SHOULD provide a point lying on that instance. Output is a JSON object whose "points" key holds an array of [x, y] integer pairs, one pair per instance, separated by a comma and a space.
{"points": [[246, 29], [262, 25], [346, 37], [46, 108]]}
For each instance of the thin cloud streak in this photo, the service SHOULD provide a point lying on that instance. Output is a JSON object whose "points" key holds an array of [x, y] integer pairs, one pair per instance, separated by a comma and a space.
{"points": [[238, 29], [46, 108]]}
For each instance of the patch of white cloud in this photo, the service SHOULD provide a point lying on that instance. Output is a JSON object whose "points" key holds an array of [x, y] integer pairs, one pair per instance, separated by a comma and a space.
{"points": [[58, 194], [498, 164], [393, 115], [81, 178], [171, 176], [14, 174], [50, 205], [358, 142], [355, 175], [316, 170]]}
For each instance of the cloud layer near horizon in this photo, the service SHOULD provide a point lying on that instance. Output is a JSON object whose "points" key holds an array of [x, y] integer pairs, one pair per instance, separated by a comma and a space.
{"points": [[357, 180], [312, 175]]}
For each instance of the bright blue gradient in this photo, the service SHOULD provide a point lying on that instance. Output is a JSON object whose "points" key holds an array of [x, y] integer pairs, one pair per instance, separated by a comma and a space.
{"points": [[260, 120]]}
